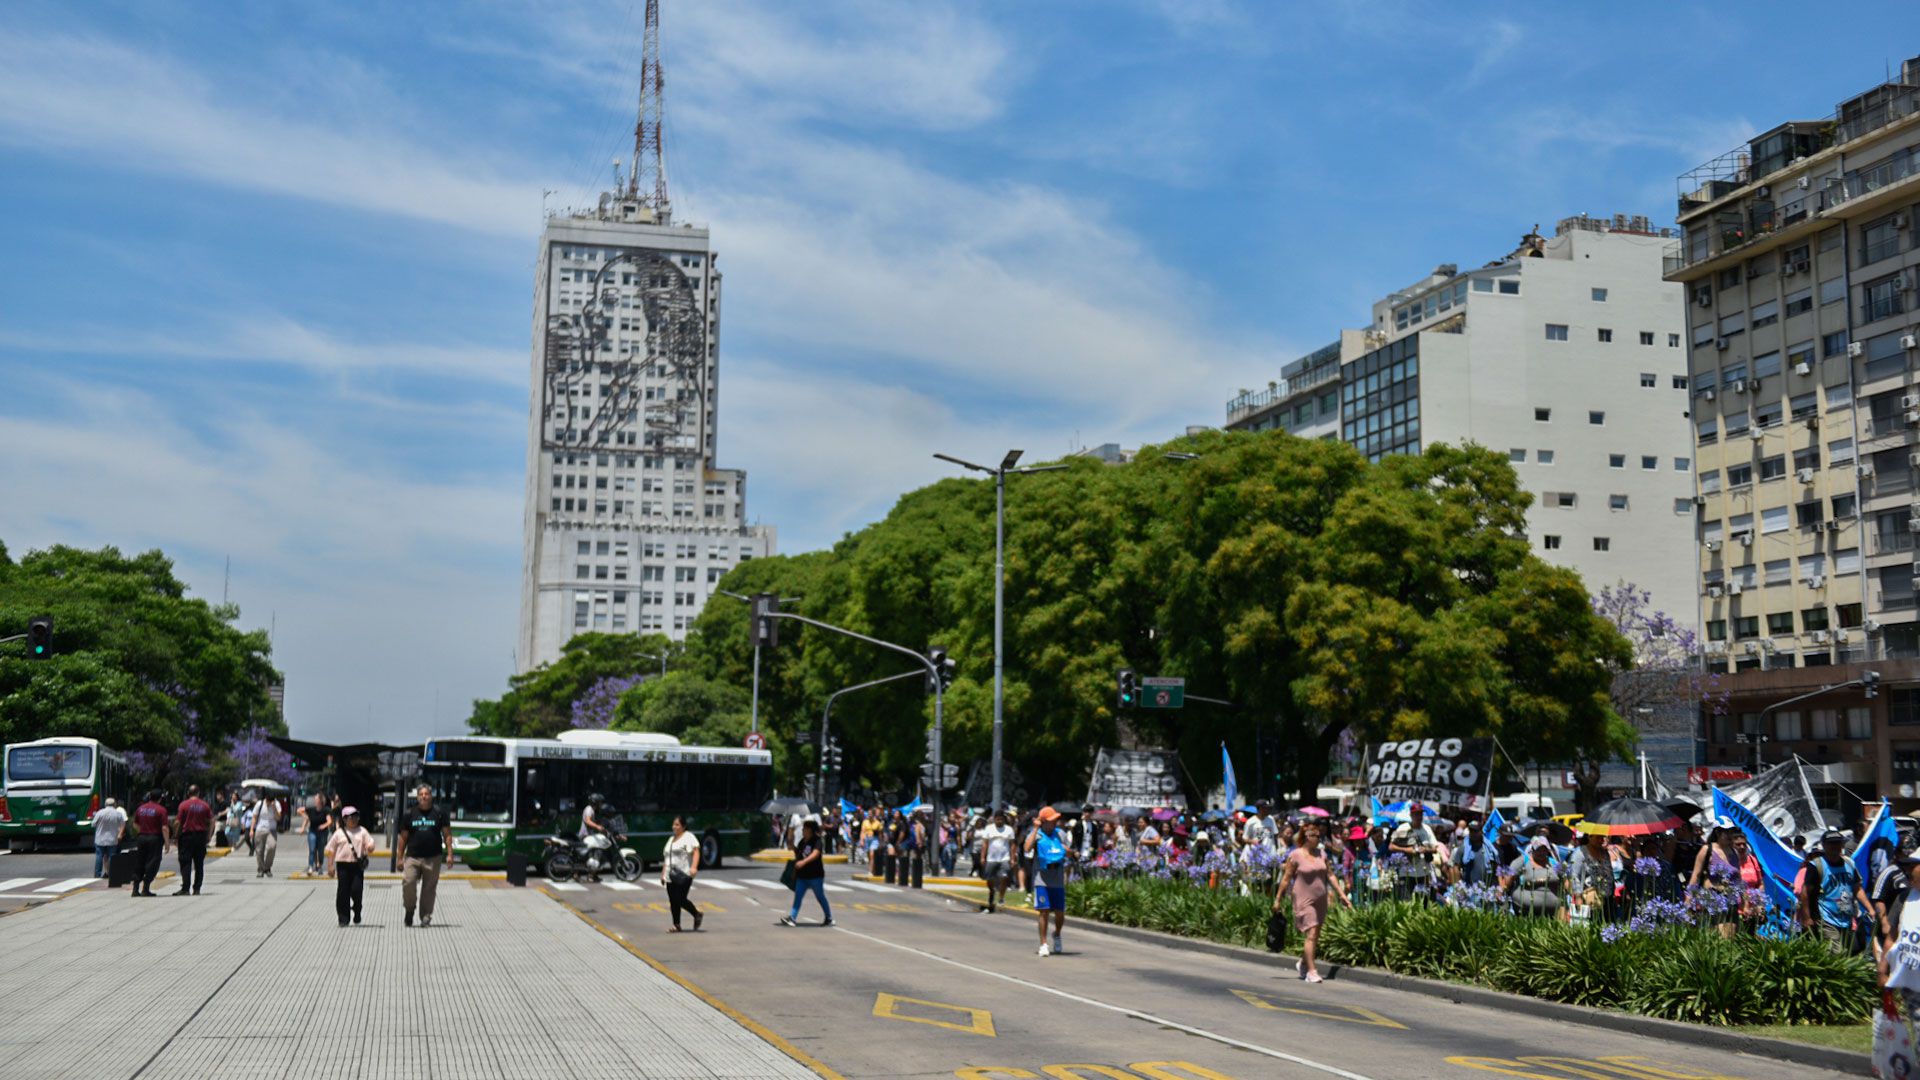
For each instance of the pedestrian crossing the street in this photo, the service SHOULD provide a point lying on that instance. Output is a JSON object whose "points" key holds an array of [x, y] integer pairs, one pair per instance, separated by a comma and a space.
{"points": [[22, 886], [720, 884], [621, 886]]}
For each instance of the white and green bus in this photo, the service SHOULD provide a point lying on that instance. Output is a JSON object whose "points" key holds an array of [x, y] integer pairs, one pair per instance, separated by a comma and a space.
{"points": [[509, 795], [50, 789]]}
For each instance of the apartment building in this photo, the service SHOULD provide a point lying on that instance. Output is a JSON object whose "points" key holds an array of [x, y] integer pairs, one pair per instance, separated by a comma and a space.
{"points": [[1799, 269], [1567, 355]]}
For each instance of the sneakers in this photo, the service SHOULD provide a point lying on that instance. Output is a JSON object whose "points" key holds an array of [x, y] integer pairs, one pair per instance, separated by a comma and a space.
{"points": [[828, 922], [1056, 945], [787, 920], [1044, 951], [409, 919], [1314, 977], [698, 917], [426, 920], [1299, 969]]}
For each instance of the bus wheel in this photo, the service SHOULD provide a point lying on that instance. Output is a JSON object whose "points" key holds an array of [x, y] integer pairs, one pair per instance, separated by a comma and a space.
{"points": [[710, 850]]}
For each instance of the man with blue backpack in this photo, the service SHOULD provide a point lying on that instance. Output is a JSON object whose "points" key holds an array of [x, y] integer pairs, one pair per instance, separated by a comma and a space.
{"points": [[1048, 850]]}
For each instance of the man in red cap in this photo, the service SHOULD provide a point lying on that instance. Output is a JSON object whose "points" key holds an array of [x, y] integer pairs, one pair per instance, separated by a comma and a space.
{"points": [[1049, 854]]}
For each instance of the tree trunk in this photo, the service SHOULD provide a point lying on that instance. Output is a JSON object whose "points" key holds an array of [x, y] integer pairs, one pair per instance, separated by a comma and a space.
{"points": [[1310, 764]]}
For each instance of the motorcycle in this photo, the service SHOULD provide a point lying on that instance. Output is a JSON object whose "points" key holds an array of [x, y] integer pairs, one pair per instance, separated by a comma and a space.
{"points": [[590, 855]]}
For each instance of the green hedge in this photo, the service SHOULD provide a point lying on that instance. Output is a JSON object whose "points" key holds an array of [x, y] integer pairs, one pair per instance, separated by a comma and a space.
{"points": [[1679, 974]]}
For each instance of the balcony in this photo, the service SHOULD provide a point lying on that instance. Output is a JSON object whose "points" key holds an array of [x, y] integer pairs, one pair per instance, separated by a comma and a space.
{"points": [[1884, 248], [1889, 543], [1867, 181]]}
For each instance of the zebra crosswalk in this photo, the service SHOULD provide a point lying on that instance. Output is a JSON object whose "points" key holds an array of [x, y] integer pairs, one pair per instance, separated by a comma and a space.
{"points": [[19, 887], [742, 884]]}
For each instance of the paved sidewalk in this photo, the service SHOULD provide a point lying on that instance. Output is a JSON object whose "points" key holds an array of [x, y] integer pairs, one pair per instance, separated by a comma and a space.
{"points": [[255, 979]]}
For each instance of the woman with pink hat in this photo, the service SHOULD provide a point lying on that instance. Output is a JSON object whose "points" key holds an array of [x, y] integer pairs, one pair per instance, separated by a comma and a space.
{"points": [[348, 848]]}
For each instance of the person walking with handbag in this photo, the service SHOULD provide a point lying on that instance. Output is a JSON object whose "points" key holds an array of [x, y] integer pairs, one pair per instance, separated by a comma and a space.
{"points": [[809, 875], [679, 863], [347, 850], [1305, 879]]}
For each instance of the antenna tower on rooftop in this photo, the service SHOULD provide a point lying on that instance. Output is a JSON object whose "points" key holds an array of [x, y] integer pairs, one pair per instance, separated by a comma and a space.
{"points": [[647, 180]]}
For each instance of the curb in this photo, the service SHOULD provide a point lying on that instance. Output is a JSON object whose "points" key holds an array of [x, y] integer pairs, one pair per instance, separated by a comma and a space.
{"points": [[1646, 1027], [925, 881], [780, 855]]}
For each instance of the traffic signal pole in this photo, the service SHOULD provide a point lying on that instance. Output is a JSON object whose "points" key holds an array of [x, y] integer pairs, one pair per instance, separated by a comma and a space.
{"points": [[826, 715], [933, 671]]}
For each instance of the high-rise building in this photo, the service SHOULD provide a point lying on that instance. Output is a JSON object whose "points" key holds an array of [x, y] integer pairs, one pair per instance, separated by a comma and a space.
{"points": [[1566, 356], [629, 524], [1800, 268]]}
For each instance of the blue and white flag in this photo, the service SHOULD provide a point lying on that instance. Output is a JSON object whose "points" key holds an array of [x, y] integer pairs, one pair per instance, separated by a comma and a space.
{"points": [[847, 808], [1232, 785], [1388, 813], [1778, 864], [1881, 829], [1492, 828], [910, 807]]}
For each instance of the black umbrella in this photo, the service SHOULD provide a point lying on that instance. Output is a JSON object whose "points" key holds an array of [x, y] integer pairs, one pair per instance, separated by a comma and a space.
{"points": [[784, 805], [1684, 809], [1131, 812], [1630, 817], [1555, 832], [1069, 809]]}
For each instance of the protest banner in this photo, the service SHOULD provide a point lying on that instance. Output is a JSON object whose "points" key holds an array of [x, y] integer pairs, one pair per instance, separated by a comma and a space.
{"points": [[1440, 772]]}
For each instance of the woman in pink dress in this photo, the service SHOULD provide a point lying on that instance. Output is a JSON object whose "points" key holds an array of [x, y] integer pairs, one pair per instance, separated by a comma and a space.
{"points": [[1305, 877]]}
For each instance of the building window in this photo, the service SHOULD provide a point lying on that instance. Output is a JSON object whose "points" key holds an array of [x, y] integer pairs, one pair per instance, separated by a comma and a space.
{"points": [[1746, 626], [1617, 461], [1601, 543], [1799, 303], [1542, 415], [1683, 506], [1649, 461], [1681, 464], [1739, 476], [1833, 344], [1764, 314], [1550, 542], [1563, 499], [1859, 722], [1595, 416], [1544, 457], [1773, 520], [1773, 468], [1482, 284], [1843, 506], [1648, 378], [1600, 296], [1679, 382], [1903, 706], [1605, 335], [1716, 629], [1616, 502], [1517, 455], [1510, 287], [1556, 331], [1673, 341], [1780, 623]]}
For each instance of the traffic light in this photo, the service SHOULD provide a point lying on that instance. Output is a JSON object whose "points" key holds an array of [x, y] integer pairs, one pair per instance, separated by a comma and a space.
{"points": [[40, 637], [834, 755], [1870, 680], [944, 667], [766, 629], [1129, 688]]}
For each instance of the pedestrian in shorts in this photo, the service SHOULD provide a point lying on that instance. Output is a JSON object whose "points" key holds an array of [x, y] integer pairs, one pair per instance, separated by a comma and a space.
{"points": [[1048, 850], [996, 855]]}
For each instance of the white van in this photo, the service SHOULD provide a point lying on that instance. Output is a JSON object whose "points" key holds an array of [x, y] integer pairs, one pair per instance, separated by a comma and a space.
{"points": [[1526, 806]]}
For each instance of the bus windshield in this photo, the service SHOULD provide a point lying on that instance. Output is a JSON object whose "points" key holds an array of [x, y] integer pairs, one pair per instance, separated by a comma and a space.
{"points": [[49, 763], [484, 795]]}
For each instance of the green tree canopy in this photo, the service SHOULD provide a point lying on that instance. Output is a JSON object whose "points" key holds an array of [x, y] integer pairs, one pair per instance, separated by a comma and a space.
{"points": [[137, 663], [539, 703]]}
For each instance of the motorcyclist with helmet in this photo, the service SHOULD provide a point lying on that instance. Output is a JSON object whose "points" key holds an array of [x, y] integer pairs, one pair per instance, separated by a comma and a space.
{"points": [[593, 824]]}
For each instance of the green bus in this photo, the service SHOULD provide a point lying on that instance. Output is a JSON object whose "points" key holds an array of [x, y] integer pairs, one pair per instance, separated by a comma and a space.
{"points": [[50, 789], [508, 795]]}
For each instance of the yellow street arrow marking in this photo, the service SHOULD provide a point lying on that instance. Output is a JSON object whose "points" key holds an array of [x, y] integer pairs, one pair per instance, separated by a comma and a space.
{"points": [[978, 1021], [1353, 1014]]}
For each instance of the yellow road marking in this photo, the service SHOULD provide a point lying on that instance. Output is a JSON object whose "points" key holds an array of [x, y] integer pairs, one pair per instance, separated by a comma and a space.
{"points": [[1151, 1070], [979, 1021], [1157, 1070], [994, 1072], [894, 909], [1566, 1068], [1353, 1014], [767, 1034], [655, 907]]}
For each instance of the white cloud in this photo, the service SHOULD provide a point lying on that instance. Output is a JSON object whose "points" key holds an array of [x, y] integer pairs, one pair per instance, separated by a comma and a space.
{"points": [[277, 340], [380, 584], [79, 95]]}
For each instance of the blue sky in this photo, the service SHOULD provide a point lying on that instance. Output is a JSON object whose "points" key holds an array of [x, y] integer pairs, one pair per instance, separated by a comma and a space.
{"points": [[268, 268]]}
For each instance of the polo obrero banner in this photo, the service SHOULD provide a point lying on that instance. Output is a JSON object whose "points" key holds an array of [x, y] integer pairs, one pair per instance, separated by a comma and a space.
{"points": [[1440, 772]]}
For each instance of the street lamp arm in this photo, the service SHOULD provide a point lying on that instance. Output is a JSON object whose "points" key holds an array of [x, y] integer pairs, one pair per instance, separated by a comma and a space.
{"points": [[901, 649], [965, 464], [869, 685]]}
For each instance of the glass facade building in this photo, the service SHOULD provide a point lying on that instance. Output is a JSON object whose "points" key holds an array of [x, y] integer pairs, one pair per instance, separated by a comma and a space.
{"points": [[1380, 400]]}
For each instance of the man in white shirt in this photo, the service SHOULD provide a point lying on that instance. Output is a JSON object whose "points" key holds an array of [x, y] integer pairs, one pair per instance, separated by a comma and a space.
{"points": [[1416, 840], [996, 855], [109, 824], [1258, 828], [263, 825]]}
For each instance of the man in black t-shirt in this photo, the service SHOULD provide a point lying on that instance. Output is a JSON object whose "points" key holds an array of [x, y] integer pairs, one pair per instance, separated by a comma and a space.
{"points": [[425, 838]]}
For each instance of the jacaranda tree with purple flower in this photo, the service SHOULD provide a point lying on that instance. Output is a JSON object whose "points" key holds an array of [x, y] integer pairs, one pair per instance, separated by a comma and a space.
{"points": [[256, 758]]}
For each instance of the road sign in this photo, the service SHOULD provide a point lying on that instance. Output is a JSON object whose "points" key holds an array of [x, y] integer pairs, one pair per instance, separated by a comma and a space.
{"points": [[804, 738], [1163, 693], [755, 741]]}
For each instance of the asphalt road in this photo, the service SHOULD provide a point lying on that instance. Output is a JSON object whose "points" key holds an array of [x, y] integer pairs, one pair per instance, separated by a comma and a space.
{"points": [[36, 877], [915, 985]]}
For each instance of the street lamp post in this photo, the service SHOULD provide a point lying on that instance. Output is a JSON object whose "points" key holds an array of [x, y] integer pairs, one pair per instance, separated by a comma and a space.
{"points": [[826, 715], [999, 595], [662, 657]]}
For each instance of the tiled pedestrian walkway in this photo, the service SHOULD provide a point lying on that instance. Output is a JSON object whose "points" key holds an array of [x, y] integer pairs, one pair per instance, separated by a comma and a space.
{"points": [[255, 979]]}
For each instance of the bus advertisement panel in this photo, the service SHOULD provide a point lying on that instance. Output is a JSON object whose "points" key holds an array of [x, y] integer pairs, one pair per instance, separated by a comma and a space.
{"points": [[509, 795]]}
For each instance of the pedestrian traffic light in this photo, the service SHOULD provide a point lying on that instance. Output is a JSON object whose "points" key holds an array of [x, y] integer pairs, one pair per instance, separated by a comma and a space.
{"points": [[40, 637], [766, 629], [941, 676], [1129, 688], [1870, 680]]}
